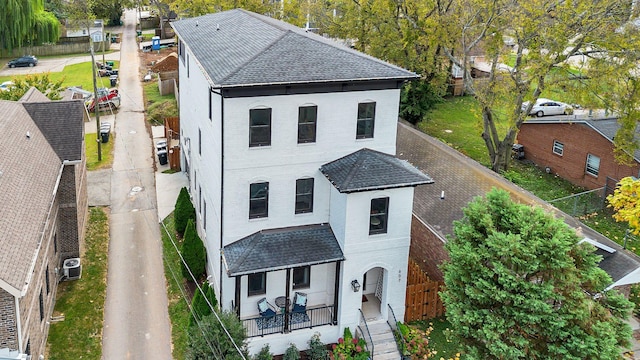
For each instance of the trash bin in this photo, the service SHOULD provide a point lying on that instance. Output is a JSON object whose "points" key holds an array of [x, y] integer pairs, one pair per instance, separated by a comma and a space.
{"points": [[162, 157], [104, 135], [161, 145], [113, 80], [518, 151], [110, 63], [138, 32]]}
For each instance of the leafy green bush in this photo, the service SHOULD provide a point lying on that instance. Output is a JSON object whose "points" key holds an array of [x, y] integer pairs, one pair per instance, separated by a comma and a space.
{"points": [[184, 211], [317, 349], [193, 253], [199, 306], [264, 354], [292, 353], [210, 340], [349, 348]]}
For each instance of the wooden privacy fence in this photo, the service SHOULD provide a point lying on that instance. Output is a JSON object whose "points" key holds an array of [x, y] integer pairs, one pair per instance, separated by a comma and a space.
{"points": [[422, 301]]}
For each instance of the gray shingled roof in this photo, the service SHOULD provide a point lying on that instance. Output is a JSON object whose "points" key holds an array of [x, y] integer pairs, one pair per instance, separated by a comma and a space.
{"points": [[276, 249], [241, 48], [29, 170], [368, 169]]}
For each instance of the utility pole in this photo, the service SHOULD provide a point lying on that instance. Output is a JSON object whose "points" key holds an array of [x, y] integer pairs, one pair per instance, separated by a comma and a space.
{"points": [[96, 102]]}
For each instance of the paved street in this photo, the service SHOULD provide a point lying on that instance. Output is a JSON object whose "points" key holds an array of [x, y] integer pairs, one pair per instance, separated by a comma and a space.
{"points": [[136, 323]]}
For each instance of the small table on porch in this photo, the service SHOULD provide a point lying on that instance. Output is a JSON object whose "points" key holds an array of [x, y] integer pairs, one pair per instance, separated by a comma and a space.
{"points": [[282, 302]]}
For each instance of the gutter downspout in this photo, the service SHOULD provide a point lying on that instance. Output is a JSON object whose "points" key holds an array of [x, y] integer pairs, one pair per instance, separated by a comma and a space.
{"points": [[19, 325], [222, 186]]}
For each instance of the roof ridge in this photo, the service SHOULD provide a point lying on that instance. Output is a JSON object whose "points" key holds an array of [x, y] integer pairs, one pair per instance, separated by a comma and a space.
{"points": [[356, 166], [253, 239]]}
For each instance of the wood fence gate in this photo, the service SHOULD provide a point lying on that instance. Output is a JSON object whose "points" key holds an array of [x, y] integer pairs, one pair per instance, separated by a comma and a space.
{"points": [[422, 301]]}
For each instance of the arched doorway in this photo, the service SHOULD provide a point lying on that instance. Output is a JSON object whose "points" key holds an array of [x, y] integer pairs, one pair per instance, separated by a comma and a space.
{"points": [[373, 293]]}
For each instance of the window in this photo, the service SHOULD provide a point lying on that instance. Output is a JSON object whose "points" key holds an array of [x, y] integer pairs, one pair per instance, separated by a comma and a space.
{"points": [[200, 199], [307, 117], [558, 147], [46, 275], [199, 142], [366, 117], [302, 277], [259, 127], [204, 215], [210, 101], [187, 65], [593, 165], [258, 200], [41, 306], [379, 215], [181, 50], [55, 243], [304, 196], [257, 284]]}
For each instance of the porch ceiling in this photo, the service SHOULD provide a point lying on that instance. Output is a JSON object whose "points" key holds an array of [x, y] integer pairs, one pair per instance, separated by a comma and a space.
{"points": [[277, 249]]}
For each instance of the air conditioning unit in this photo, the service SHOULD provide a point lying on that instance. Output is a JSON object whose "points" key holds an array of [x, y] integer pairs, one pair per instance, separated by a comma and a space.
{"points": [[72, 269]]}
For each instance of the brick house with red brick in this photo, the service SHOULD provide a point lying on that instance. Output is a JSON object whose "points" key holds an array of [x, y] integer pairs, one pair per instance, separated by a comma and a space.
{"points": [[580, 151], [43, 209]]}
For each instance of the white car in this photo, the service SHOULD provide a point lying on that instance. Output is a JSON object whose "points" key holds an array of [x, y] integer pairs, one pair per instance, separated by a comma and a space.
{"points": [[5, 86], [544, 107]]}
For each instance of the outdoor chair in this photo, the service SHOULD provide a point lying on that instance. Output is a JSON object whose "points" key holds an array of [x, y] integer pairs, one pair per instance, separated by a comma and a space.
{"points": [[265, 309], [299, 303]]}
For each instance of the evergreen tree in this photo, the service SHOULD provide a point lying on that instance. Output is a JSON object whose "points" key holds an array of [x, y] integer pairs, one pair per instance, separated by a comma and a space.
{"points": [[209, 340], [193, 252], [520, 286], [199, 306], [184, 211]]}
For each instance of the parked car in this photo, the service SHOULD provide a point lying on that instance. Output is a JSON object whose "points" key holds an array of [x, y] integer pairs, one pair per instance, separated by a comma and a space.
{"points": [[5, 86], [544, 107], [27, 60]]}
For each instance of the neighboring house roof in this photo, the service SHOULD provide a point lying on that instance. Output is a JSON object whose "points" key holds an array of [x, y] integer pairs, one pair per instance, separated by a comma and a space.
{"points": [[606, 127], [462, 179], [368, 169], [276, 249], [30, 165], [241, 48]]}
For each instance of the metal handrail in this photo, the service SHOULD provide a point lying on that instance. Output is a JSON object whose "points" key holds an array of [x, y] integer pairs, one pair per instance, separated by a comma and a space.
{"points": [[394, 327], [367, 334], [311, 317]]}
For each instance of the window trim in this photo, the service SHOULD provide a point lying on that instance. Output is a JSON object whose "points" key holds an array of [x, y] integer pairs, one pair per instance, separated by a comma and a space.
{"points": [[264, 198], [308, 209], [558, 148], [590, 170], [262, 290], [313, 124], [363, 119], [307, 272], [384, 214], [252, 127]]}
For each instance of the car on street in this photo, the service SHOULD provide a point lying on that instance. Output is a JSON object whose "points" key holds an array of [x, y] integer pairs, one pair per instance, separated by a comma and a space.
{"points": [[545, 107], [27, 60]]}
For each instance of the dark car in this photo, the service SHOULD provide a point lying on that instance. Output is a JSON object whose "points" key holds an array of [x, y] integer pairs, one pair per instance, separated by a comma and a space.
{"points": [[28, 60]]}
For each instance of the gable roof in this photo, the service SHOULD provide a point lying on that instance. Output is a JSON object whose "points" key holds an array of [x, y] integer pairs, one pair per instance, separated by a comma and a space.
{"points": [[461, 178], [241, 48], [606, 127], [276, 249], [368, 169]]}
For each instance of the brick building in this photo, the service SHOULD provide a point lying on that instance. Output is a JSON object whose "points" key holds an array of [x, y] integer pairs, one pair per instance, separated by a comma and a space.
{"points": [[580, 151], [43, 209]]}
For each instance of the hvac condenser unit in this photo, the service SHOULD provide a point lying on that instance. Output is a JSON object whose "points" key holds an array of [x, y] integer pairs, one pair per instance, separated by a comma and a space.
{"points": [[72, 269]]}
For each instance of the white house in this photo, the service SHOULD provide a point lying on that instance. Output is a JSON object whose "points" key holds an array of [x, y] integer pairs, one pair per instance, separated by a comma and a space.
{"points": [[288, 140]]}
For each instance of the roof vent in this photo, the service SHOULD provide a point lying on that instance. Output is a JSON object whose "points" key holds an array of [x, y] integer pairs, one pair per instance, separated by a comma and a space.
{"points": [[217, 26], [28, 135], [196, 22]]}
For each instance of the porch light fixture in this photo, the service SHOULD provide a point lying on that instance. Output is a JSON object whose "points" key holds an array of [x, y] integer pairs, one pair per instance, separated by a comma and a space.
{"points": [[355, 285]]}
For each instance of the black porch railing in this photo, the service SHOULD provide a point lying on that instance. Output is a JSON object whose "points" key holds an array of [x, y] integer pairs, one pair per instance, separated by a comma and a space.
{"points": [[265, 325]]}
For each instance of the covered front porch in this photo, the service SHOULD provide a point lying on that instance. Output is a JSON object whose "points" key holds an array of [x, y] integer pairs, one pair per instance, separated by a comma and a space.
{"points": [[285, 279]]}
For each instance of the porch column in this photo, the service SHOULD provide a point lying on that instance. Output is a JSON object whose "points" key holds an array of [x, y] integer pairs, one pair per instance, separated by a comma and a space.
{"points": [[237, 305], [336, 289], [287, 293]]}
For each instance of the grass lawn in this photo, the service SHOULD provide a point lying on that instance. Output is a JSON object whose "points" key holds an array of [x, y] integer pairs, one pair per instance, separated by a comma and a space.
{"points": [[74, 75], [158, 107], [178, 309], [79, 335], [439, 341], [92, 151]]}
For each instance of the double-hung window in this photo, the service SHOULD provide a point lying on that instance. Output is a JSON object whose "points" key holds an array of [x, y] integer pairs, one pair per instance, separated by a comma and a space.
{"points": [[593, 165], [307, 118], [259, 127], [366, 119], [302, 277], [258, 200], [558, 147], [378, 216], [304, 196], [257, 284]]}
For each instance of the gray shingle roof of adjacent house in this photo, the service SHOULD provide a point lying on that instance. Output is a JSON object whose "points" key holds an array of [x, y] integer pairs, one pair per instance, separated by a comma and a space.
{"points": [[276, 249], [241, 48], [29, 171], [368, 169]]}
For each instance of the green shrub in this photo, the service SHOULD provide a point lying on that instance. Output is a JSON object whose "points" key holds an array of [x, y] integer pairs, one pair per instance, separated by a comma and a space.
{"points": [[292, 353], [199, 306], [193, 252], [264, 354], [350, 348], [317, 349], [183, 212]]}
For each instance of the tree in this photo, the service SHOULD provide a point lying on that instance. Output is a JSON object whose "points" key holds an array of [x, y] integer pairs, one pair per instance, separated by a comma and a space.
{"points": [[26, 22], [42, 82], [184, 211], [193, 252], [199, 306], [520, 286], [208, 340], [625, 200]]}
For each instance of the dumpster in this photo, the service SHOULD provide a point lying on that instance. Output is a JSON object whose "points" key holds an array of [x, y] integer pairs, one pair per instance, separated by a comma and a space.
{"points": [[518, 151], [113, 79], [162, 157], [104, 135]]}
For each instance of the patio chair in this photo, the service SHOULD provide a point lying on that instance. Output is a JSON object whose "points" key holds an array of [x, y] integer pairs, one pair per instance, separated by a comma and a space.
{"points": [[265, 309], [299, 303]]}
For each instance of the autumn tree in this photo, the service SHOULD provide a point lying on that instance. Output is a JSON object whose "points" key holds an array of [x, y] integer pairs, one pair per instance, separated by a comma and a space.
{"points": [[519, 285], [625, 200], [42, 82]]}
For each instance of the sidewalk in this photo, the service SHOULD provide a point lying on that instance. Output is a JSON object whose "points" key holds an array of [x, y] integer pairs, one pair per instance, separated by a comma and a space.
{"points": [[167, 185]]}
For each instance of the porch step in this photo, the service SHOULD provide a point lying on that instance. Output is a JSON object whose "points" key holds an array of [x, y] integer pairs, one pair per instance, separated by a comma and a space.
{"points": [[384, 344]]}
